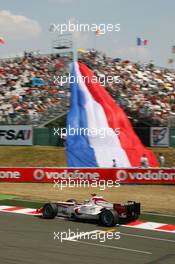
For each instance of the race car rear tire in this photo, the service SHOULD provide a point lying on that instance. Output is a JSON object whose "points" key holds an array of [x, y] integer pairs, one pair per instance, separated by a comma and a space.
{"points": [[50, 211], [72, 201], [109, 218]]}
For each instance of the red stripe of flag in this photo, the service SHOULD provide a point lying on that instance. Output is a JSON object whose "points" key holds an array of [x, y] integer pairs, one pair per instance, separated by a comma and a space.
{"points": [[145, 42], [117, 118], [2, 40]]}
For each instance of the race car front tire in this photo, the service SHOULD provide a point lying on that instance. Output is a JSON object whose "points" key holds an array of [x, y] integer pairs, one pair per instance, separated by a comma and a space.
{"points": [[50, 211], [109, 218]]}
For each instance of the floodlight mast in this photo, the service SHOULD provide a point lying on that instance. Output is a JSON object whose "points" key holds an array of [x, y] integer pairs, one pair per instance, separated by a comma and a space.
{"points": [[65, 44]]}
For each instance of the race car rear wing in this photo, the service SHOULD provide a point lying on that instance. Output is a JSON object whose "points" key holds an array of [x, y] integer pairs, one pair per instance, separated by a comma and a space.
{"points": [[133, 208]]}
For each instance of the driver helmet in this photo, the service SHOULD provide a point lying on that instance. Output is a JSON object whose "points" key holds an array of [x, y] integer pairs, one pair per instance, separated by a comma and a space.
{"points": [[86, 201]]}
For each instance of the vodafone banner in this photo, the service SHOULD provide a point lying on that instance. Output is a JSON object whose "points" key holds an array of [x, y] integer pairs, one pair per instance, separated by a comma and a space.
{"points": [[138, 175]]}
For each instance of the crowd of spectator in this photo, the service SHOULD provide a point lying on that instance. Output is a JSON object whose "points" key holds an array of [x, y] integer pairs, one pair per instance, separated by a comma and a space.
{"points": [[28, 94], [146, 93]]}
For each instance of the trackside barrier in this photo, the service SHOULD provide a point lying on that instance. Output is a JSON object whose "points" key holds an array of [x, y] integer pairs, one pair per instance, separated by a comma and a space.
{"points": [[135, 175]]}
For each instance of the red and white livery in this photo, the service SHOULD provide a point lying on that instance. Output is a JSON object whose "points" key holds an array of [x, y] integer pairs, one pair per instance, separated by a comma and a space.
{"points": [[96, 208]]}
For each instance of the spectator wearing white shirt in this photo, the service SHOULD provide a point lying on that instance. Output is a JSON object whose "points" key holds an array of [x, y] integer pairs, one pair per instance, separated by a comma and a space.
{"points": [[144, 161], [161, 159]]}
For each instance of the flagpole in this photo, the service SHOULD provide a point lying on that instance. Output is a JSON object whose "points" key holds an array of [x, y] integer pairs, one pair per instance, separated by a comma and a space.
{"points": [[137, 50], [138, 53], [95, 44], [97, 34], [173, 52]]}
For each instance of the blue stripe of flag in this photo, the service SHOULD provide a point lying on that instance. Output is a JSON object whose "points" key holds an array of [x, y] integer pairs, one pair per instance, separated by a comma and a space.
{"points": [[78, 150]]}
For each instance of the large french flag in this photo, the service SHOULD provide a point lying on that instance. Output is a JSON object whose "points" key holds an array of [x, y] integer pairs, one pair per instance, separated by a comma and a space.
{"points": [[93, 109]]}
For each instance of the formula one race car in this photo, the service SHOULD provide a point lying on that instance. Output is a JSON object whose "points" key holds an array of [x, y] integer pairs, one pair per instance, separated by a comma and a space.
{"points": [[107, 214]]}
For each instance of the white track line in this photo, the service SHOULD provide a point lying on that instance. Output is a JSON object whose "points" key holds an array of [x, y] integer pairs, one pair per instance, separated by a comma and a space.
{"points": [[148, 237], [112, 247]]}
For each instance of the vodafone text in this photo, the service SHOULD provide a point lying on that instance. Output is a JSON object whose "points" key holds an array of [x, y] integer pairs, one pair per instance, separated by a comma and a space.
{"points": [[40, 174], [148, 175], [10, 175]]}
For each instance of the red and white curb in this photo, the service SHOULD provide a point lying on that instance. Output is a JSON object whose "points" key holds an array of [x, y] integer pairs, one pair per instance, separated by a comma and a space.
{"points": [[18, 210], [152, 226], [136, 224]]}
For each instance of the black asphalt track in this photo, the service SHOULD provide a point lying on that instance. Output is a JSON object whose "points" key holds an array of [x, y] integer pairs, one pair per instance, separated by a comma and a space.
{"points": [[30, 240]]}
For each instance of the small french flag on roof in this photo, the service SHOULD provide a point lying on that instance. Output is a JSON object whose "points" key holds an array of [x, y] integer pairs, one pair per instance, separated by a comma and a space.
{"points": [[2, 40], [142, 42]]}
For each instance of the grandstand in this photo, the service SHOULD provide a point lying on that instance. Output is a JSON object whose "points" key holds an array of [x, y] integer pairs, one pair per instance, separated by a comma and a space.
{"points": [[146, 93], [28, 94]]}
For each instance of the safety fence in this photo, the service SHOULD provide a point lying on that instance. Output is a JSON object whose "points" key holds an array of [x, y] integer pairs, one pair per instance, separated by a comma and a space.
{"points": [[28, 135], [115, 175]]}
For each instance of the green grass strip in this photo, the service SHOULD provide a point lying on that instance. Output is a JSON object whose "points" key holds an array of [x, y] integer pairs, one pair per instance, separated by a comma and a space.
{"points": [[6, 196]]}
